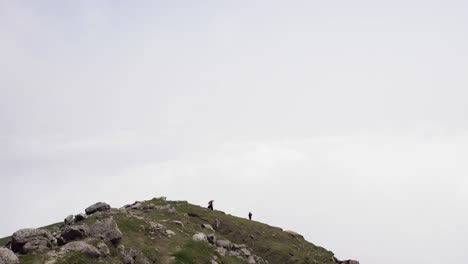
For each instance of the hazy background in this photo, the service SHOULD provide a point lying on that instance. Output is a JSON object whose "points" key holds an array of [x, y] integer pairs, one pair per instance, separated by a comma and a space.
{"points": [[345, 121]]}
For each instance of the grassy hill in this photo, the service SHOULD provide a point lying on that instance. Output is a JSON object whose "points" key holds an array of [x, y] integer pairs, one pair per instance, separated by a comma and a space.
{"points": [[161, 231]]}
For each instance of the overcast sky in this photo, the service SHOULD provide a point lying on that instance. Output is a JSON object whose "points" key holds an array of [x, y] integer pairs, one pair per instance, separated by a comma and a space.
{"points": [[345, 121]]}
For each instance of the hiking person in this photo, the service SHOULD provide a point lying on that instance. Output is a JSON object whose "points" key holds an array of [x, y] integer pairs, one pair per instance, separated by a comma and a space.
{"points": [[210, 204], [250, 216]]}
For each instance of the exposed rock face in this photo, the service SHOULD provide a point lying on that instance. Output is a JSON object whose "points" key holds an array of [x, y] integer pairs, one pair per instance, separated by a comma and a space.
{"points": [[97, 207], [83, 248], [30, 239], [8, 257], [75, 232], [107, 230]]}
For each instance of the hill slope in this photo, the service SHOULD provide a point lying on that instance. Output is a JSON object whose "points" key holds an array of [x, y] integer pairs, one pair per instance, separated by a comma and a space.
{"points": [[160, 231]]}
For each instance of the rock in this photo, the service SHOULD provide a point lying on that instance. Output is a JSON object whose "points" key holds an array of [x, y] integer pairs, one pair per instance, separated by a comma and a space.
{"points": [[222, 251], [132, 256], [83, 248], [216, 224], [97, 207], [103, 249], [199, 237], [208, 226], [251, 260], [224, 244], [349, 261], [68, 220], [107, 230], [30, 239], [178, 223], [293, 233], [8, 257], [211, 239], [245, 252], [75, 232], [170, 233], [233, 253], [80, 217]]}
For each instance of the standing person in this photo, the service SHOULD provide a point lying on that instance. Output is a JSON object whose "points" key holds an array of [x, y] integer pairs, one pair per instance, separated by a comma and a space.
{"points": [[250, 216], [210, 204]]}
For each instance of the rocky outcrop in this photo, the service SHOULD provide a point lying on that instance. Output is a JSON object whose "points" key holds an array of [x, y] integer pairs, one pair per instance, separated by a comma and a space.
{"points": [[68, 220], [107, 230], [97, 207], [83, 248], [29, 240], [8, 257]]}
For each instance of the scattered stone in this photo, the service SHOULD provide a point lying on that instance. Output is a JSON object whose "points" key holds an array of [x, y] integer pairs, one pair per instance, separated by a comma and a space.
{"points": [[68, 220], [97, 207], [199, 237], [107, 230], [8, 257], [216, 224], [30, 239], [83, 248], [80, 217], [221, 251]]}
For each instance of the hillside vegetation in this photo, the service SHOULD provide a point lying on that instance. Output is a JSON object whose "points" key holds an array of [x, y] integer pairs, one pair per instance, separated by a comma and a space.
{"points": [[160, 231]]}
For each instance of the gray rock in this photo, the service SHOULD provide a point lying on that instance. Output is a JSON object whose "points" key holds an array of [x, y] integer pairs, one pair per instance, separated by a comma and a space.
{"points": [[178, 223], [30, 239], [251, 260], [211, 239], [80, 217], [222, 251], [107, 230], [245, 252], [8, 257], [208, 226], [224, 244], [83, 248], [68, 220], [170, 233], [199, 237], [97, 207], [74, 232], [103, 249], [132, 256]]}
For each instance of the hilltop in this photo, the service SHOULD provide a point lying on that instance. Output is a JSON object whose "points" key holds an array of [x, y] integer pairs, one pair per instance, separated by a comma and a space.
{"points": [[160, 231]]}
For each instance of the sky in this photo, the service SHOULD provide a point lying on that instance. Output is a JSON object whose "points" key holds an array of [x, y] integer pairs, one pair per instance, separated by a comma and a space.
{"points": [[345, 121]]}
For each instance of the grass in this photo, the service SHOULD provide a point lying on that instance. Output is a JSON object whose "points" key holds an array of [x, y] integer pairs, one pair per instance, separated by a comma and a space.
{"points": [[270, 243]]}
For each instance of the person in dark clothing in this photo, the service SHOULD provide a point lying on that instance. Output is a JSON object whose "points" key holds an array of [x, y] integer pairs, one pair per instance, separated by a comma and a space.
{"points": [[210, 205], [250, 216]]}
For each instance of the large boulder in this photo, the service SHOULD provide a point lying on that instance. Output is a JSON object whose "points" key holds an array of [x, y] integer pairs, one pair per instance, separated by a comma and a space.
{"points": [[68, 220], [83, 248], [74, 232], [8, 257], [107, 230], [97, 207], [199, 237], [30, 239]]}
